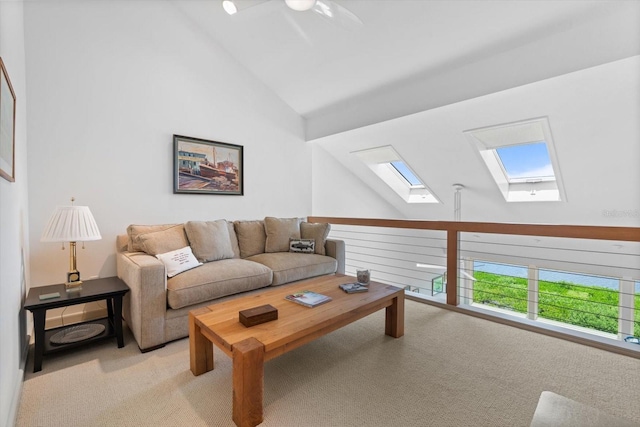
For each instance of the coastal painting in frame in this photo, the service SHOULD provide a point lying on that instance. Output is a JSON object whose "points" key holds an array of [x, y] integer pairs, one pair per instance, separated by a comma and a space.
{"points": [[207, 167], [7, 126]]}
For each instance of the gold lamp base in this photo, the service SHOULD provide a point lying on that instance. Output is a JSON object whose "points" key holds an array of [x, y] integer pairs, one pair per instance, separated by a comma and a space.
{"points": [[73, 282]]}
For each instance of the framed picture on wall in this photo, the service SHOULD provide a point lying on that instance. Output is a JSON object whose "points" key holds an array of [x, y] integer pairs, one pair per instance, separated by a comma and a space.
{"points": [[207, 167], [7, 126]]}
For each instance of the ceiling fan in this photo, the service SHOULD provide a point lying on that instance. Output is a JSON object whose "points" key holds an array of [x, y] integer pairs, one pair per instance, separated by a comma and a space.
{"points": [[328, 9]]}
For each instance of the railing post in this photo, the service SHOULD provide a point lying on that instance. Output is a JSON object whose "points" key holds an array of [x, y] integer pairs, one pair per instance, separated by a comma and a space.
{"points": [[626, 302], [466, 284], [532, 293], [453, 255]]}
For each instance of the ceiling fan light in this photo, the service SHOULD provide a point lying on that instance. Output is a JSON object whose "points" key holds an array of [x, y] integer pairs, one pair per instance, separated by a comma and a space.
{"points": [[300, 5], [229, 7]]}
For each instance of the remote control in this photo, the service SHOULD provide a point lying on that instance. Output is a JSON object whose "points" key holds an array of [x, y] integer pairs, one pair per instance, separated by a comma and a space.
{"points": [[49, 296]]}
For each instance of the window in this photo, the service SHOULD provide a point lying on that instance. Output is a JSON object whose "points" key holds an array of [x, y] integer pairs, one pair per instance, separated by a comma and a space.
{"points": [[526, 162], [406, 173], [387, 164], [521, 159]]}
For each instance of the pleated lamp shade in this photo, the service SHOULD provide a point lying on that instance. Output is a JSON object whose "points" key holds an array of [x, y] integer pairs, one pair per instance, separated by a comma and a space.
{"points": [[71, 224]]}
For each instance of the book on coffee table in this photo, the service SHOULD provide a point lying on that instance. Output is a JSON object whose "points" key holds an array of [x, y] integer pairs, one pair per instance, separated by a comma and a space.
{"points": [[353, 288], [308, 298]]}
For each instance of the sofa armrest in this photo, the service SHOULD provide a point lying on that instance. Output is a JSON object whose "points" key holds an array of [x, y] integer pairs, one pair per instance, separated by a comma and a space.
{"points": [[335, 249], [145, 305]]}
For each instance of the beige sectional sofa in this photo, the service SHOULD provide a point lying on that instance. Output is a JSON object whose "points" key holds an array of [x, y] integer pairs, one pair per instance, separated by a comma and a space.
{"points": [[174, 268]]}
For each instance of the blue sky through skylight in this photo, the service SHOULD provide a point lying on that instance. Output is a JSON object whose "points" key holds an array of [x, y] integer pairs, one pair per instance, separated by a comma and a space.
{"points": [[526, 161], [406, 173]]}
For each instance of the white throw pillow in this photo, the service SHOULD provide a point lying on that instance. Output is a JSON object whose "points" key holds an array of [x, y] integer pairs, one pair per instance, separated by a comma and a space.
{"points": [[175, 262]]}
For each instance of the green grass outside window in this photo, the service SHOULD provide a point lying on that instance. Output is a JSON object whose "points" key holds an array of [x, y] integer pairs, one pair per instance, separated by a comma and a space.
{"points": [[591, 307]]}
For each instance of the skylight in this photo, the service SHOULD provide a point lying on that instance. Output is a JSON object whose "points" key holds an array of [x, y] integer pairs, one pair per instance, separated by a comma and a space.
{"points": [[387, 164], [526, 162], [521, 159], [406, 173]]}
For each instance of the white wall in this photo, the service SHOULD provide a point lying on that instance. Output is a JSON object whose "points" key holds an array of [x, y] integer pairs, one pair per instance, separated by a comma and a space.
{"points": [[109, 84], [336, 192], [14, 233], [593, 114]]}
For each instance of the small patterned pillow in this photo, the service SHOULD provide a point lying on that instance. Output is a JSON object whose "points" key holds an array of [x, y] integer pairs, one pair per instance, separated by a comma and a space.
{"points": [[305, 246]]}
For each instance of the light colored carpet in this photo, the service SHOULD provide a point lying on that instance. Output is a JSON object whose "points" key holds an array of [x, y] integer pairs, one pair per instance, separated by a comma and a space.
{"points": [[448, 370]]}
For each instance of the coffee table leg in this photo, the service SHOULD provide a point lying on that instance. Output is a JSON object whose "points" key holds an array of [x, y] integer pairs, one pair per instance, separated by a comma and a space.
{"points": [[200, 348], [394, 321], [248, 382]]}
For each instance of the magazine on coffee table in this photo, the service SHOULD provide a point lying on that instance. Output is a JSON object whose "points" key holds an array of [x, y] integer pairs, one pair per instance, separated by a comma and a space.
{"points": [[308, 298], [352, 288]]}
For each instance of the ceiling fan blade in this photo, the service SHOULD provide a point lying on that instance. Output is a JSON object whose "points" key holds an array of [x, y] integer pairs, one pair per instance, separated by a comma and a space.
{"points": [[337, 14]]}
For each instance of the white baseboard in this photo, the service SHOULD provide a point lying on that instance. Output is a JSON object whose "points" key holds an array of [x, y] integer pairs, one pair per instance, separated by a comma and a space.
{"points": [[17, 392]]}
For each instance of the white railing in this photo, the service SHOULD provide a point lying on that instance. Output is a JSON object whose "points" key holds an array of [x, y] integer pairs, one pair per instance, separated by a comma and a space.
{"points": [[420, 255]]}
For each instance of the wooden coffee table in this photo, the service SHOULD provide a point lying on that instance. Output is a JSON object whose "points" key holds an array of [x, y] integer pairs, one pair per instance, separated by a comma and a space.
{"points": [[250, 347]]}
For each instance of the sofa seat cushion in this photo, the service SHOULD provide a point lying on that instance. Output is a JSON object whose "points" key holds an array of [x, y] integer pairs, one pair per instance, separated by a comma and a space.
{"points": [[290, 267], [216, 279]]}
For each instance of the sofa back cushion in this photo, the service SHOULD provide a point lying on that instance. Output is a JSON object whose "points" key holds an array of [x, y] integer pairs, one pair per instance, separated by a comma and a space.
{"points": [[234, 239], [209, 240], [279, 231], [163, 241], [316, 231], [251, 237], [135, 231]]}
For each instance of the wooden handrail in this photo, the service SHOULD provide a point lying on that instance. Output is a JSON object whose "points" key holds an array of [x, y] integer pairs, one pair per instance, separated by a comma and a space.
{"points": [[628, 234], [453, 229]]}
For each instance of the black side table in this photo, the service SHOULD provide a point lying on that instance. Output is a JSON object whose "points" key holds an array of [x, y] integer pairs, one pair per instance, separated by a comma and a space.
{"points": [[110, 289]]}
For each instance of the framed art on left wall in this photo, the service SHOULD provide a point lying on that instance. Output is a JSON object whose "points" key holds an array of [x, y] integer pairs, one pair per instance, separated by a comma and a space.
{"points": [[207, 167], [7, 126]]}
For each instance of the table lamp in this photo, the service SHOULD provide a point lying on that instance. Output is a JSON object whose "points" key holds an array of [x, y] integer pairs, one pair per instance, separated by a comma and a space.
{"points": [[71, 224]]}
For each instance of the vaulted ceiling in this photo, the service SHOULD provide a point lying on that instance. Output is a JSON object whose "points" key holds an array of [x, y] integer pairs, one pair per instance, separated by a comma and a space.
{"points": [[406, 56], [418, 73]]}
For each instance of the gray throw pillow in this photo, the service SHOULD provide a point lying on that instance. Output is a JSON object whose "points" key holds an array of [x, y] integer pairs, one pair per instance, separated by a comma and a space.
{"points": [[279, 231], [163, 241], [251, 237], [317, 231], [134, 232], [209, 240]]}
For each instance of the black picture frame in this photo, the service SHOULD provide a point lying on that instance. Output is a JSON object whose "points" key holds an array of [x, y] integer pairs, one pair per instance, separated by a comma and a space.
{"points": [[7, 126], [202, 166]]}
